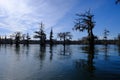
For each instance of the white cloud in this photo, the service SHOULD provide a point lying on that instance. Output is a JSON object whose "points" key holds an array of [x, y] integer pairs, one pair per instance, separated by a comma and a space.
{"points": [[23, 15], [15, 7], [12, 13]]}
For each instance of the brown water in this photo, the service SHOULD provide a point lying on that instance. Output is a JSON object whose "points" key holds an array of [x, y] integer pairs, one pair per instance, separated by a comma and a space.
{"points": [[74, 62]]}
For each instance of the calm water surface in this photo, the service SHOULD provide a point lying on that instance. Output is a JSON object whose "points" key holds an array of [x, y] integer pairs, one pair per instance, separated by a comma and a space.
{"points": [[74, 62]]}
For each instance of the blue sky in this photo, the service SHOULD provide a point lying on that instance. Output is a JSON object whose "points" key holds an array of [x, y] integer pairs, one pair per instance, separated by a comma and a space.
{"points": [[25, 16]]}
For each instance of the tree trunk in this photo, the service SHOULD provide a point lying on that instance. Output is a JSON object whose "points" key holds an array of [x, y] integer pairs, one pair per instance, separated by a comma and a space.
{"points": [[64, 41], [91, 39]]}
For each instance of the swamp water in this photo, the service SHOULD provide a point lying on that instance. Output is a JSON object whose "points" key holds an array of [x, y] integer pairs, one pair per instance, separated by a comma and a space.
{"points": [[74, 62]]}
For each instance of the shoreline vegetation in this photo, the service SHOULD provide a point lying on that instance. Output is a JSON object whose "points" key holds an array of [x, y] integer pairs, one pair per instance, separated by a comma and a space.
{"points": [[101, 42]]}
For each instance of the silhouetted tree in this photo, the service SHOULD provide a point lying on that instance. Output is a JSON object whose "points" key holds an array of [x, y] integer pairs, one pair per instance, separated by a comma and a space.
{"points": [[23, 38], [27, 38], [51, 37], [65, 36], [41, 34], [59, 35], [119, 36], [106, 33], [11, 39], [5, 37], [0, 40], [17, 38], [118, 39], [117, 1], [85, 22]]}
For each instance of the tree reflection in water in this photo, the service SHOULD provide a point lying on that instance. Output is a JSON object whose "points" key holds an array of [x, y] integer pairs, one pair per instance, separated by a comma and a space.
{"points": [[26, 49], [65, 50], [87, 65], [118, 46], [106, 52], [42, 52], [17, 51], [51, 52], [42, 55]]}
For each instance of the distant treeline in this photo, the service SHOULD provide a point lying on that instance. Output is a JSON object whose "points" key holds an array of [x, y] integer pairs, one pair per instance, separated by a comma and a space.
{"points": [[10, 41]]}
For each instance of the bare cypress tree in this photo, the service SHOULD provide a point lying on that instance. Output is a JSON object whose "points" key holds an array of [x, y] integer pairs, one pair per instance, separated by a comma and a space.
{"points": [[117, 1], [17, 38], [23, 38], [27, 38], [106, 33], [11, 39], [41, 34], [85, 22], [65, 36], [51, 37], [5, 40], [118, 39], [59, 35], [0, 40]]}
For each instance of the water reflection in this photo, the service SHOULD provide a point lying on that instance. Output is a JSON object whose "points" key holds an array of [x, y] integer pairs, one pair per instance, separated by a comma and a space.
{"points": [[87, 65], [51, 52], [17, 52], [118, 50], [26, 49], [106, 47], [65, 50], [17, 49], [59, 63], [42, 54]]}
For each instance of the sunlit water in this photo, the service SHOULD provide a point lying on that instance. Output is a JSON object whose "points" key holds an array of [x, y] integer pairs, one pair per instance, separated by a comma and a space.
{"points": [[74, 62]]}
